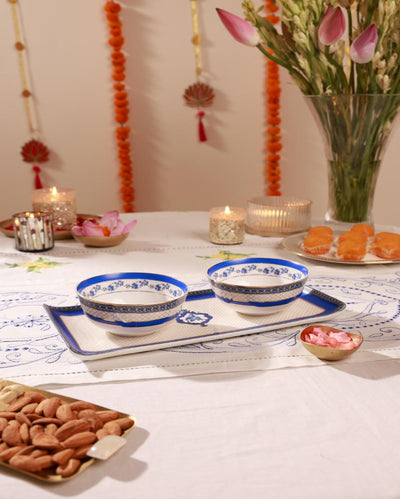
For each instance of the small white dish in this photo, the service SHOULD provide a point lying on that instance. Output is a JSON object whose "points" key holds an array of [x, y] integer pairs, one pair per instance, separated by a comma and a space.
{"points": [[131, 303], [258, 286]]}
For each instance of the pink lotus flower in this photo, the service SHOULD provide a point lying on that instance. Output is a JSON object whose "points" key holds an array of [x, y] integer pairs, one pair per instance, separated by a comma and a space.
{"points": [[109, 225], [332, 26], [241, 30], [363, 48]]}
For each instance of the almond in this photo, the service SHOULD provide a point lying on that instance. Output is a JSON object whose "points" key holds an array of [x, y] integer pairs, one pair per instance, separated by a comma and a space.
{"points": [[107, 415], [35, 430], [124, 423], [103, 432], [7, 454], [44, 441], [29, 408], [44, 462], [40, 406], [11, 435], [71, 427], [3, 424], [22, 418], [50, 429], [92, 418], [19, 403], [80, 405], [113, 428], [35, 396], [62, 456], [24, 432], [79, 439], [7, 414], [81, 452], [69, 468], [50, 406], [45, 421], [65, 413], [39, 452], [27, 463]]}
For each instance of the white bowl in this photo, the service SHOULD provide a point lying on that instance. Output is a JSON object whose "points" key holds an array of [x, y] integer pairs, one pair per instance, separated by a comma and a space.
{"points": [[258, 286], [131, 303]]}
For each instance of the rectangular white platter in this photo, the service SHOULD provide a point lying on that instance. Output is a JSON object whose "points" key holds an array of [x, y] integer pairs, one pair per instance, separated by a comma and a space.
{"points": [[202, 318]]}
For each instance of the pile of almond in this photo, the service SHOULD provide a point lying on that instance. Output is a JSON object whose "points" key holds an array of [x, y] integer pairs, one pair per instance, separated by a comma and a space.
{"points": [[50, 436]]}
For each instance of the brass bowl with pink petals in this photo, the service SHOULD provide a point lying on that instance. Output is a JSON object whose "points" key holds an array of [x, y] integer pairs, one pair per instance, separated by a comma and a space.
{"points": [[329, 352], [100, 242]]}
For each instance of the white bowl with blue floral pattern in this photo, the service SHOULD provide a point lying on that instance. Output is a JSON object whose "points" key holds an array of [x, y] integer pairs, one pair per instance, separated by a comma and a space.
{"points": [[258, 286], [131, 303]]}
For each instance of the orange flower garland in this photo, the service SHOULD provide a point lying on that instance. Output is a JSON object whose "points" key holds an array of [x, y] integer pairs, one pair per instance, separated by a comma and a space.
{"points": [[273, 92], [121, 105]]}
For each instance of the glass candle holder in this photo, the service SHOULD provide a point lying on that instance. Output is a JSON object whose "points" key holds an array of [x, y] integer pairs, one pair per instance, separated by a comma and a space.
{"points": [[60, 204], [277, 215], [227, 225], [33, 231]]}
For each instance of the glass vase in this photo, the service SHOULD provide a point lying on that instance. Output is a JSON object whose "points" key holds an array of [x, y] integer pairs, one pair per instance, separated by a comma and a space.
{"points": [[356, 128]]}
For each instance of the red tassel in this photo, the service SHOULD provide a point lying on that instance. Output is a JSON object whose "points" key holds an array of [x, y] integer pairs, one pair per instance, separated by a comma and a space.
{"points": [[202, 132], [38, 183]]}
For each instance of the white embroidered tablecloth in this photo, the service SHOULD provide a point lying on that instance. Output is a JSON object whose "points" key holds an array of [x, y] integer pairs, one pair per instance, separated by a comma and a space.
{"points": [[33, 352]]}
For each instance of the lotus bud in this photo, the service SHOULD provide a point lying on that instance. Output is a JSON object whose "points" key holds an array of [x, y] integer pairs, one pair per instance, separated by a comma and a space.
{"points": [[332, 26], [241, 30], [363, 48]]}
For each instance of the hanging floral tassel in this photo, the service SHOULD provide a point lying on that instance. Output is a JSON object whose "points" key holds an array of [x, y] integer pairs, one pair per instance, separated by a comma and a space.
{"points": [[199, 95], [202, 132], [35, 151]]}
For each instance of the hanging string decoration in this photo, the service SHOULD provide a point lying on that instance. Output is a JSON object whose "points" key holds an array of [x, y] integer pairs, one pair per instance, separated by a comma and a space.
{"points": [[198, 95], [273, 93], [121, 105], [34, 151]]}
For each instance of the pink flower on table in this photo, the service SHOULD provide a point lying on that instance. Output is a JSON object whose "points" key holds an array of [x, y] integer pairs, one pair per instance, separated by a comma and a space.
{"points": [[363, 48], [332, 26], [109, 225], [241, 30], [333, 339]]}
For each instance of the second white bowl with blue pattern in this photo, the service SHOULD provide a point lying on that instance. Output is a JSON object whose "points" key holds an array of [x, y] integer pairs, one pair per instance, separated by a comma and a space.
{"points": [[258, 286], [131, 303]]}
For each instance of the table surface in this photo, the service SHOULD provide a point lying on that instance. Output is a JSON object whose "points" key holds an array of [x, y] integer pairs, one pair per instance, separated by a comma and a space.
{"points": [[242, 426]]}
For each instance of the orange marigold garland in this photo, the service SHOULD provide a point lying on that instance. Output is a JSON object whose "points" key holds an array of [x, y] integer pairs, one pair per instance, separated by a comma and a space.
{"points": [[273, 93], [121, 105]]}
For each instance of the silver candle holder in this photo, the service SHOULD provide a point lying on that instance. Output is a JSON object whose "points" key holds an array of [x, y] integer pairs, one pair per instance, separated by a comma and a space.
{"points": [[33, 231]]}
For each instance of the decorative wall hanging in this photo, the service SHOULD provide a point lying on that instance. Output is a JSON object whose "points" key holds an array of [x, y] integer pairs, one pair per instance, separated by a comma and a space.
{"points": [[34, 151], [199, 94], [121, 105], [273, 92]]}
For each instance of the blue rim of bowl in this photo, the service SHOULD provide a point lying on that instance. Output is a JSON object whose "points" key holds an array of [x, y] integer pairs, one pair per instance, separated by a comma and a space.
{"points": [[132, 324], [130, 275], [277, 261], [258, 304]]}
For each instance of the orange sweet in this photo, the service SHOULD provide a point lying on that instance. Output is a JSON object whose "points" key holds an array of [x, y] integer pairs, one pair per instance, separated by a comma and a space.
{"points": [[317, 244], [352, 249], [320, 229], [366, 229], [386, 245]]}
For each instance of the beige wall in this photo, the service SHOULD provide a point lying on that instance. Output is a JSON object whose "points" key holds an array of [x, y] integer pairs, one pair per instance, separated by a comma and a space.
{"points": [[70, 72]]}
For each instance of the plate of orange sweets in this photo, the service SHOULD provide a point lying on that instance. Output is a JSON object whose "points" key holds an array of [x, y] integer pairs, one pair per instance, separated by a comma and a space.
{"points": [[361, 244]]}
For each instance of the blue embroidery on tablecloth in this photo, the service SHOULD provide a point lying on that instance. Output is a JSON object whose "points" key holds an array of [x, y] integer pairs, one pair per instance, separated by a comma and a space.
{"points": [[373, 310], [19, 313]]}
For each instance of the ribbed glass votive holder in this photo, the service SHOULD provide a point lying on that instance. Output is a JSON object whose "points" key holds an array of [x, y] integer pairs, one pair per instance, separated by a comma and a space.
{"points": [[277, 215]]}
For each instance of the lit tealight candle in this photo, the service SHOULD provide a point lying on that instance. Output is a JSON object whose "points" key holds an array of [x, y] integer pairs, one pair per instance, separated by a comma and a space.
{"points": [[33, 231], [227, 225], [59, 203]]}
